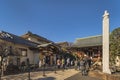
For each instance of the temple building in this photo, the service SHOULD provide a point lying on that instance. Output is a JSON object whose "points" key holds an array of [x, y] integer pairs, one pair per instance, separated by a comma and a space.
{"points": [[90, 46], [48, 48], [16, 50]]}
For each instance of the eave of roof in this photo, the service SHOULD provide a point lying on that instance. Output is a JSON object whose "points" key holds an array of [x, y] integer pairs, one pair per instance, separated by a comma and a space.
{"points": [[48, 45], [89, 37]]}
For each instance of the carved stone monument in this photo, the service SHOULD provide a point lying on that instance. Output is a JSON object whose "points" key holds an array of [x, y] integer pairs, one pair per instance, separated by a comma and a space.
{"points": [[105, 58]]}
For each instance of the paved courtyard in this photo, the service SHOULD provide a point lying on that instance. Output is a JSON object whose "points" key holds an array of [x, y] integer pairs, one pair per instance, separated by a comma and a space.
{"points": [[69, 74]]}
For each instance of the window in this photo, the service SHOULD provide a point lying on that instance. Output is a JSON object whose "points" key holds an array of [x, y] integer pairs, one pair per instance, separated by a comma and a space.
{"points": [[23, 52]]}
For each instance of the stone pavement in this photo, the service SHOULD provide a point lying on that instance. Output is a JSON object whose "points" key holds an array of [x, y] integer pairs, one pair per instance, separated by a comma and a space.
{"points": [[104, 76], [49, 75], [70, 74], [79, 76], [60, 75]]}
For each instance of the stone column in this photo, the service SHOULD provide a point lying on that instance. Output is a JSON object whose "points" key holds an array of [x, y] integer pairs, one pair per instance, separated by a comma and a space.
{"points": [[105, 58]]}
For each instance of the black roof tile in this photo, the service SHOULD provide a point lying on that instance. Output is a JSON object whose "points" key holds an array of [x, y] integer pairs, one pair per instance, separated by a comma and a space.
{"points": [[16, 39]]}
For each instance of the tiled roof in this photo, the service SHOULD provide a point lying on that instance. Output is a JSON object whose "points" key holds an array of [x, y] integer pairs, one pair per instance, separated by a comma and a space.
{"points": [[45, 45], [15, 39], [64, 44], [88, 41], [37, 36], [48, 44]]}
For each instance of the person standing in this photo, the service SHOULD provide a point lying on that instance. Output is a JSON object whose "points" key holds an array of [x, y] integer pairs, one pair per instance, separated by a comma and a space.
{"points": [[82, 66], [23, 66], [88, 64], [63, 63], [68, 62], [40, 63], [76, 64], [58, 63]]}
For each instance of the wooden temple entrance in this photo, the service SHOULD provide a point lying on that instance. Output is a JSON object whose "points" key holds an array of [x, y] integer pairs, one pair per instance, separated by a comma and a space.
{"points": [[94, 51], [48, 53], [90, 46]]}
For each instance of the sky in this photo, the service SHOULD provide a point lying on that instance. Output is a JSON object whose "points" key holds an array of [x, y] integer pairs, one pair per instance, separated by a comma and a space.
{"points": [[58, 20]]}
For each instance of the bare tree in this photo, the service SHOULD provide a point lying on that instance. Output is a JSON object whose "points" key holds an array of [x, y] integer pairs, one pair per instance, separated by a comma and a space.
{"points": [[4, 52]]}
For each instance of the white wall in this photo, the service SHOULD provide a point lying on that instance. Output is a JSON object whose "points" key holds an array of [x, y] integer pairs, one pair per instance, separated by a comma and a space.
{"points": [[36, 58], [30, 56]]}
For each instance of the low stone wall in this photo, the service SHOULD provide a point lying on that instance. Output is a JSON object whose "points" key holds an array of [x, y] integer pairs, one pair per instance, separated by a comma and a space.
{"points": [[104, 76]]}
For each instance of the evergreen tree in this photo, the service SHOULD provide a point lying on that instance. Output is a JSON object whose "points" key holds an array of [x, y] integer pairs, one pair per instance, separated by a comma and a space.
{"points": [[114, 44]]}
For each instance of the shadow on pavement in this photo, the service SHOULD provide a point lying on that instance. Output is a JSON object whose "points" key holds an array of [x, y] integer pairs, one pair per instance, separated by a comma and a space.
{"points": [[47, 78]]}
